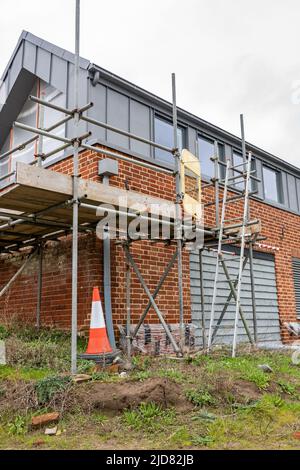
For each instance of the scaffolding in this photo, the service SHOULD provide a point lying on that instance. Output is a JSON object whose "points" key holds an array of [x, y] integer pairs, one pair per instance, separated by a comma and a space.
{"points": [[53, 220]]}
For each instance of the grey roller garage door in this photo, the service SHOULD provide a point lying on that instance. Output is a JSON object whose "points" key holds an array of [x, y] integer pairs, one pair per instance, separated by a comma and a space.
{"points": [[265, 290], [296, 272]]}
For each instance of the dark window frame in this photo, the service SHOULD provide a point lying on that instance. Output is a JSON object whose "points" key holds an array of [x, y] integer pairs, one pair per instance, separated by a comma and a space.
{"points": [[168, 120], [222, 155], [279, 184], [253, 183]]}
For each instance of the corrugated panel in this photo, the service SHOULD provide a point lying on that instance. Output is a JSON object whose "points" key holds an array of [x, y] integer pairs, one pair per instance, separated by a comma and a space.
{"points": [[296, 270], [266, 298]]}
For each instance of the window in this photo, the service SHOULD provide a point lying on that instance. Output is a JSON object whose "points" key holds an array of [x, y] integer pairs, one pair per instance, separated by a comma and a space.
{"points": [[272, 184], [163, 132], [29, 115], [237, 159], [206, 150], [53, 96]]}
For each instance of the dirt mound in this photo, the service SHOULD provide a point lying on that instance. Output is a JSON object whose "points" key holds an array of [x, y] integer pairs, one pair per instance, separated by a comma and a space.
{"points": [[241, 391], [122, 395], [245, 391]]}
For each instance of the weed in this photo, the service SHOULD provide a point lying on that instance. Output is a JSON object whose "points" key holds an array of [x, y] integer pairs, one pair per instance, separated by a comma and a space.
{"points": [[200, 397], [173, 374], [149, 416], [287, 387], [101, 376], [204, 416], [141, 363], [84, 366], [181, 437], [141, 375], [202, 441], [99, 418], [4, 333], [47, 388], [17, 427], [199, 360]]}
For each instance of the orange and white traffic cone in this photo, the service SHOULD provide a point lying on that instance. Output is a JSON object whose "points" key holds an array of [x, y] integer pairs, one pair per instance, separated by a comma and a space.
{"points": [[98, 340]]}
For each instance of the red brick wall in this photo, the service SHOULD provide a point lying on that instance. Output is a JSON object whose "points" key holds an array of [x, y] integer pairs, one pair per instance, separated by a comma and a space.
{"points": [[281, 228], [20, 301]]}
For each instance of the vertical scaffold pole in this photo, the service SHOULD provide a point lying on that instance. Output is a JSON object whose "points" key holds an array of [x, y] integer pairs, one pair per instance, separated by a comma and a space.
{"points": [[39, 287], [178, 215], [216, 181], [128, 306], [75, 195], [41, 139], [204, 339], [252, 280]]}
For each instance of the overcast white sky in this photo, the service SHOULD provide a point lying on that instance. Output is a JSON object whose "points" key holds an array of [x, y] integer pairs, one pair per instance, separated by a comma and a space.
{"points": [[230, 56]]}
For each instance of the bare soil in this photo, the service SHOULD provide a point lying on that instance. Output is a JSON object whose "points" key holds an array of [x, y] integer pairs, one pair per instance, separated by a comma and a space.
{"points": [[123, 395]]}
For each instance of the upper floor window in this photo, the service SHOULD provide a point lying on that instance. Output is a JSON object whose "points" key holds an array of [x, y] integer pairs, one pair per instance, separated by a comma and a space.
{"points": [[29, 115], [164, 135], [237, 160], [272, 184], [206, 150]]}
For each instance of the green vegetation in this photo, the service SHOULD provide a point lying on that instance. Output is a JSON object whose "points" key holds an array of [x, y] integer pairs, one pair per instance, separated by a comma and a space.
{"points": [[149, 417], [23, 373], [17, 427], [200, 398], [47, 388], [213, 401]]}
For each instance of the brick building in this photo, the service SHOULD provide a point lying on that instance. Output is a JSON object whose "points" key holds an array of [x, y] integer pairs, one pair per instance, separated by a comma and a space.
{"points": [[41, 69]]}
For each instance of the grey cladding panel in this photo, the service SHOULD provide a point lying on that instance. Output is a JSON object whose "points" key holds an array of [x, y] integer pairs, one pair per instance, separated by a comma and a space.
{"points": [[291, 180], [43, 64], [259, 174], [140, 126], [298, 191], [266, 298], [191, 137], [83, 97], [118, 116], [59, 74], [29, 56], [98, 111], [16, 67]]}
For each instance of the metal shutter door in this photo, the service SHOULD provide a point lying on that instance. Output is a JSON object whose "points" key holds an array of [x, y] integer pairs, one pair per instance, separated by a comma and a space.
{"points": [[266, 298], [296, 271]]}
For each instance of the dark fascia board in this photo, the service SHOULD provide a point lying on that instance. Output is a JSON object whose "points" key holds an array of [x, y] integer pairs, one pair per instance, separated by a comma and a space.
{"points": [[193, 120]]}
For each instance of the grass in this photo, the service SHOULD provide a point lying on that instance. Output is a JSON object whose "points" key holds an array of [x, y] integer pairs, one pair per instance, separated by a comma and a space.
{"points": [[149, 417], [23, 373], [264, 414]]}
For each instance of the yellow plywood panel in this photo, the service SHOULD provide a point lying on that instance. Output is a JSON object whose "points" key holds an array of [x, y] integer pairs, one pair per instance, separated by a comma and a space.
{"points": [[190, 163]]}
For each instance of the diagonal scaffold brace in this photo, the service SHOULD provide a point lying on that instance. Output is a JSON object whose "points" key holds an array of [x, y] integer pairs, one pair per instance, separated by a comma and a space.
{"points": [[130, 261]]}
